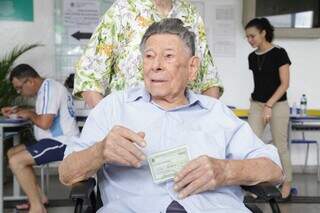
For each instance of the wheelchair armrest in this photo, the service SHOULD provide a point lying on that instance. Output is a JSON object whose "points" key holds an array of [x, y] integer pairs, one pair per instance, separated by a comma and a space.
{"points": [[265, 191], [82, 190]]}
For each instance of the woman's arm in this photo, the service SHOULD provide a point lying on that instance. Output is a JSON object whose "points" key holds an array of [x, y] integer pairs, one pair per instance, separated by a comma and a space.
{"points": [[283, 87], [92, 98]]}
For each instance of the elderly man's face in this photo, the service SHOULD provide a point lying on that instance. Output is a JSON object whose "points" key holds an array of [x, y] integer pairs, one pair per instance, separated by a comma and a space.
{"points": [[168, 66]]}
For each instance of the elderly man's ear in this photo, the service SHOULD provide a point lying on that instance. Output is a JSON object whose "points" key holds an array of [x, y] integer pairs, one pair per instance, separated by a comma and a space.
{"points": [[194, 64]]}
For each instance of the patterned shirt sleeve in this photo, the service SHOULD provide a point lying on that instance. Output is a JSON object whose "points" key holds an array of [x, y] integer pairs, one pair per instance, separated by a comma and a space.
{"points": [[95, 66], [208, 75]]}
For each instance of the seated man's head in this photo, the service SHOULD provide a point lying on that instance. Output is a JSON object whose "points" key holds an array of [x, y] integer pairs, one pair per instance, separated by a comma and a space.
{"points": [[25, 80], [169, 61]]}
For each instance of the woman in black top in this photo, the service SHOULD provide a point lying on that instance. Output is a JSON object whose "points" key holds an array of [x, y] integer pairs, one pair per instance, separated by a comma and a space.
{"points": [[270, 67]]}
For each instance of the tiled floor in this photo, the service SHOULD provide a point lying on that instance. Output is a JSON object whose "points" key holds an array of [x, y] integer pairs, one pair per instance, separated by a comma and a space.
{"points": [[293, 208], [307, 186]]}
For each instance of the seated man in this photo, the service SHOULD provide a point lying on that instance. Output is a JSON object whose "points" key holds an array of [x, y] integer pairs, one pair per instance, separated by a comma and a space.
{"points": [[127, 127], [54, 123]]}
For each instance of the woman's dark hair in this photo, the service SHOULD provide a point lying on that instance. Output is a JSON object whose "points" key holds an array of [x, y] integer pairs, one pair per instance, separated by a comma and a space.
{"points": [[262, 24], [23, 71]]}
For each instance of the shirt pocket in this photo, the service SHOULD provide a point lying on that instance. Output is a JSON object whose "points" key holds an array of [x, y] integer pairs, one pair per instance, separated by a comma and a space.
{"points": [[201, 143]]}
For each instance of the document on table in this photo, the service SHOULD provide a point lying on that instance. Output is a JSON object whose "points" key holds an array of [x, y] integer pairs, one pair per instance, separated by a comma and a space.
{"points": [[166, 164], [11, 120]]}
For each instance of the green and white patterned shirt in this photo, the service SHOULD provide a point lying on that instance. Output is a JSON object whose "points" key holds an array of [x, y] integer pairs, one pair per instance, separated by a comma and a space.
{"points": [[112, 59]]}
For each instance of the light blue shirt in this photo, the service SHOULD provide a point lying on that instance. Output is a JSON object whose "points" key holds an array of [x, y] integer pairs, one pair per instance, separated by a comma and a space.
{"points": [[205, 126]]}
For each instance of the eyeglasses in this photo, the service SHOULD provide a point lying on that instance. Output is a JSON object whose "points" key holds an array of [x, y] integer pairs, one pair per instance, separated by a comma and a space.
{"points": [[20, 87]]}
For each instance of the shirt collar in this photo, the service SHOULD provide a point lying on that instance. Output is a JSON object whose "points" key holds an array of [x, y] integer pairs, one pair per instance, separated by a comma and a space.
{"points": [[203, 101], [151, 6], [138, 93]]}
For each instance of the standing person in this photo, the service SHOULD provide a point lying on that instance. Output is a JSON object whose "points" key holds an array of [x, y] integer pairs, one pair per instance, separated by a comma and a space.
{"points": [[270, 67], [54, 124], [112, 59]]}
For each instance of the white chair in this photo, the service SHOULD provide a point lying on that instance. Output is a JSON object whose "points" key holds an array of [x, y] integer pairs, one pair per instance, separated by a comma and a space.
{"points": [[44, 177]]}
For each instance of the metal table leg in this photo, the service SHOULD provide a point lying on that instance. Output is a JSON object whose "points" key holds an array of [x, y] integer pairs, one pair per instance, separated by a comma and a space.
{"points": [[16, 187]]}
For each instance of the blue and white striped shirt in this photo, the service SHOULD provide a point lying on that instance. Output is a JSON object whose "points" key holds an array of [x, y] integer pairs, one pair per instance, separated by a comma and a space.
{"points": [[54, 99]]}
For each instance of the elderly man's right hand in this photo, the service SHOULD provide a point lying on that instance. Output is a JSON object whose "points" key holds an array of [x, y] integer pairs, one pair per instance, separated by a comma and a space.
{"points": [[123, 146]]}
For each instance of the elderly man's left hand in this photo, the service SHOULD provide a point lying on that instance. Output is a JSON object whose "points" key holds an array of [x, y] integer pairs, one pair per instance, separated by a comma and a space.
{"points": [[199, 175]]}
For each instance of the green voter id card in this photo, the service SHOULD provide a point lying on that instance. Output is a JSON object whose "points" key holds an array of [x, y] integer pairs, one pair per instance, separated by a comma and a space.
{"points": [[165, 165]]}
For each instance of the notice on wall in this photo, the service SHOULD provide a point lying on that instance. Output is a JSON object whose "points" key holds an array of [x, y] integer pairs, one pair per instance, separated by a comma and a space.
{"points": [[80, 17], [16, 10], [75, 21], [224, 36]]}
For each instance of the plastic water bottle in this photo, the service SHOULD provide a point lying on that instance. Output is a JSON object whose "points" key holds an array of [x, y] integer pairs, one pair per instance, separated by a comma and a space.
{"points": [[294, 110], [303, 105]]}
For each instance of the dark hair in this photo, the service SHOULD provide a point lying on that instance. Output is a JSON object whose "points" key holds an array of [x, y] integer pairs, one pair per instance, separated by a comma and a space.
{"points": [[23, 71], [262, 24], [69, 82], [170, 26]]}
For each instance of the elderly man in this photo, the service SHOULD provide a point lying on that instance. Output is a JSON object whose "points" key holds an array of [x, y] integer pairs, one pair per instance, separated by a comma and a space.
{"points": [[54, 124], [139, 123]]}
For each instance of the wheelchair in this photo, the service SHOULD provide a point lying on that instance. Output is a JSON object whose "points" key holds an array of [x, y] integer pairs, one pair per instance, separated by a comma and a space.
{"points": [[87, 201]]}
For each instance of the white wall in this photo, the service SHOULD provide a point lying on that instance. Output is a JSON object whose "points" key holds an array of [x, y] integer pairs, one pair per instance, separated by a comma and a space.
{"points": [[304, 54], [237, 78], [41, 30], [234, 71]]}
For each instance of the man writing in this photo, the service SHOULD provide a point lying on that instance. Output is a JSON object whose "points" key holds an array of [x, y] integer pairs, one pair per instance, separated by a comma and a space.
{"points": [[118, 138], [54, 125]]}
